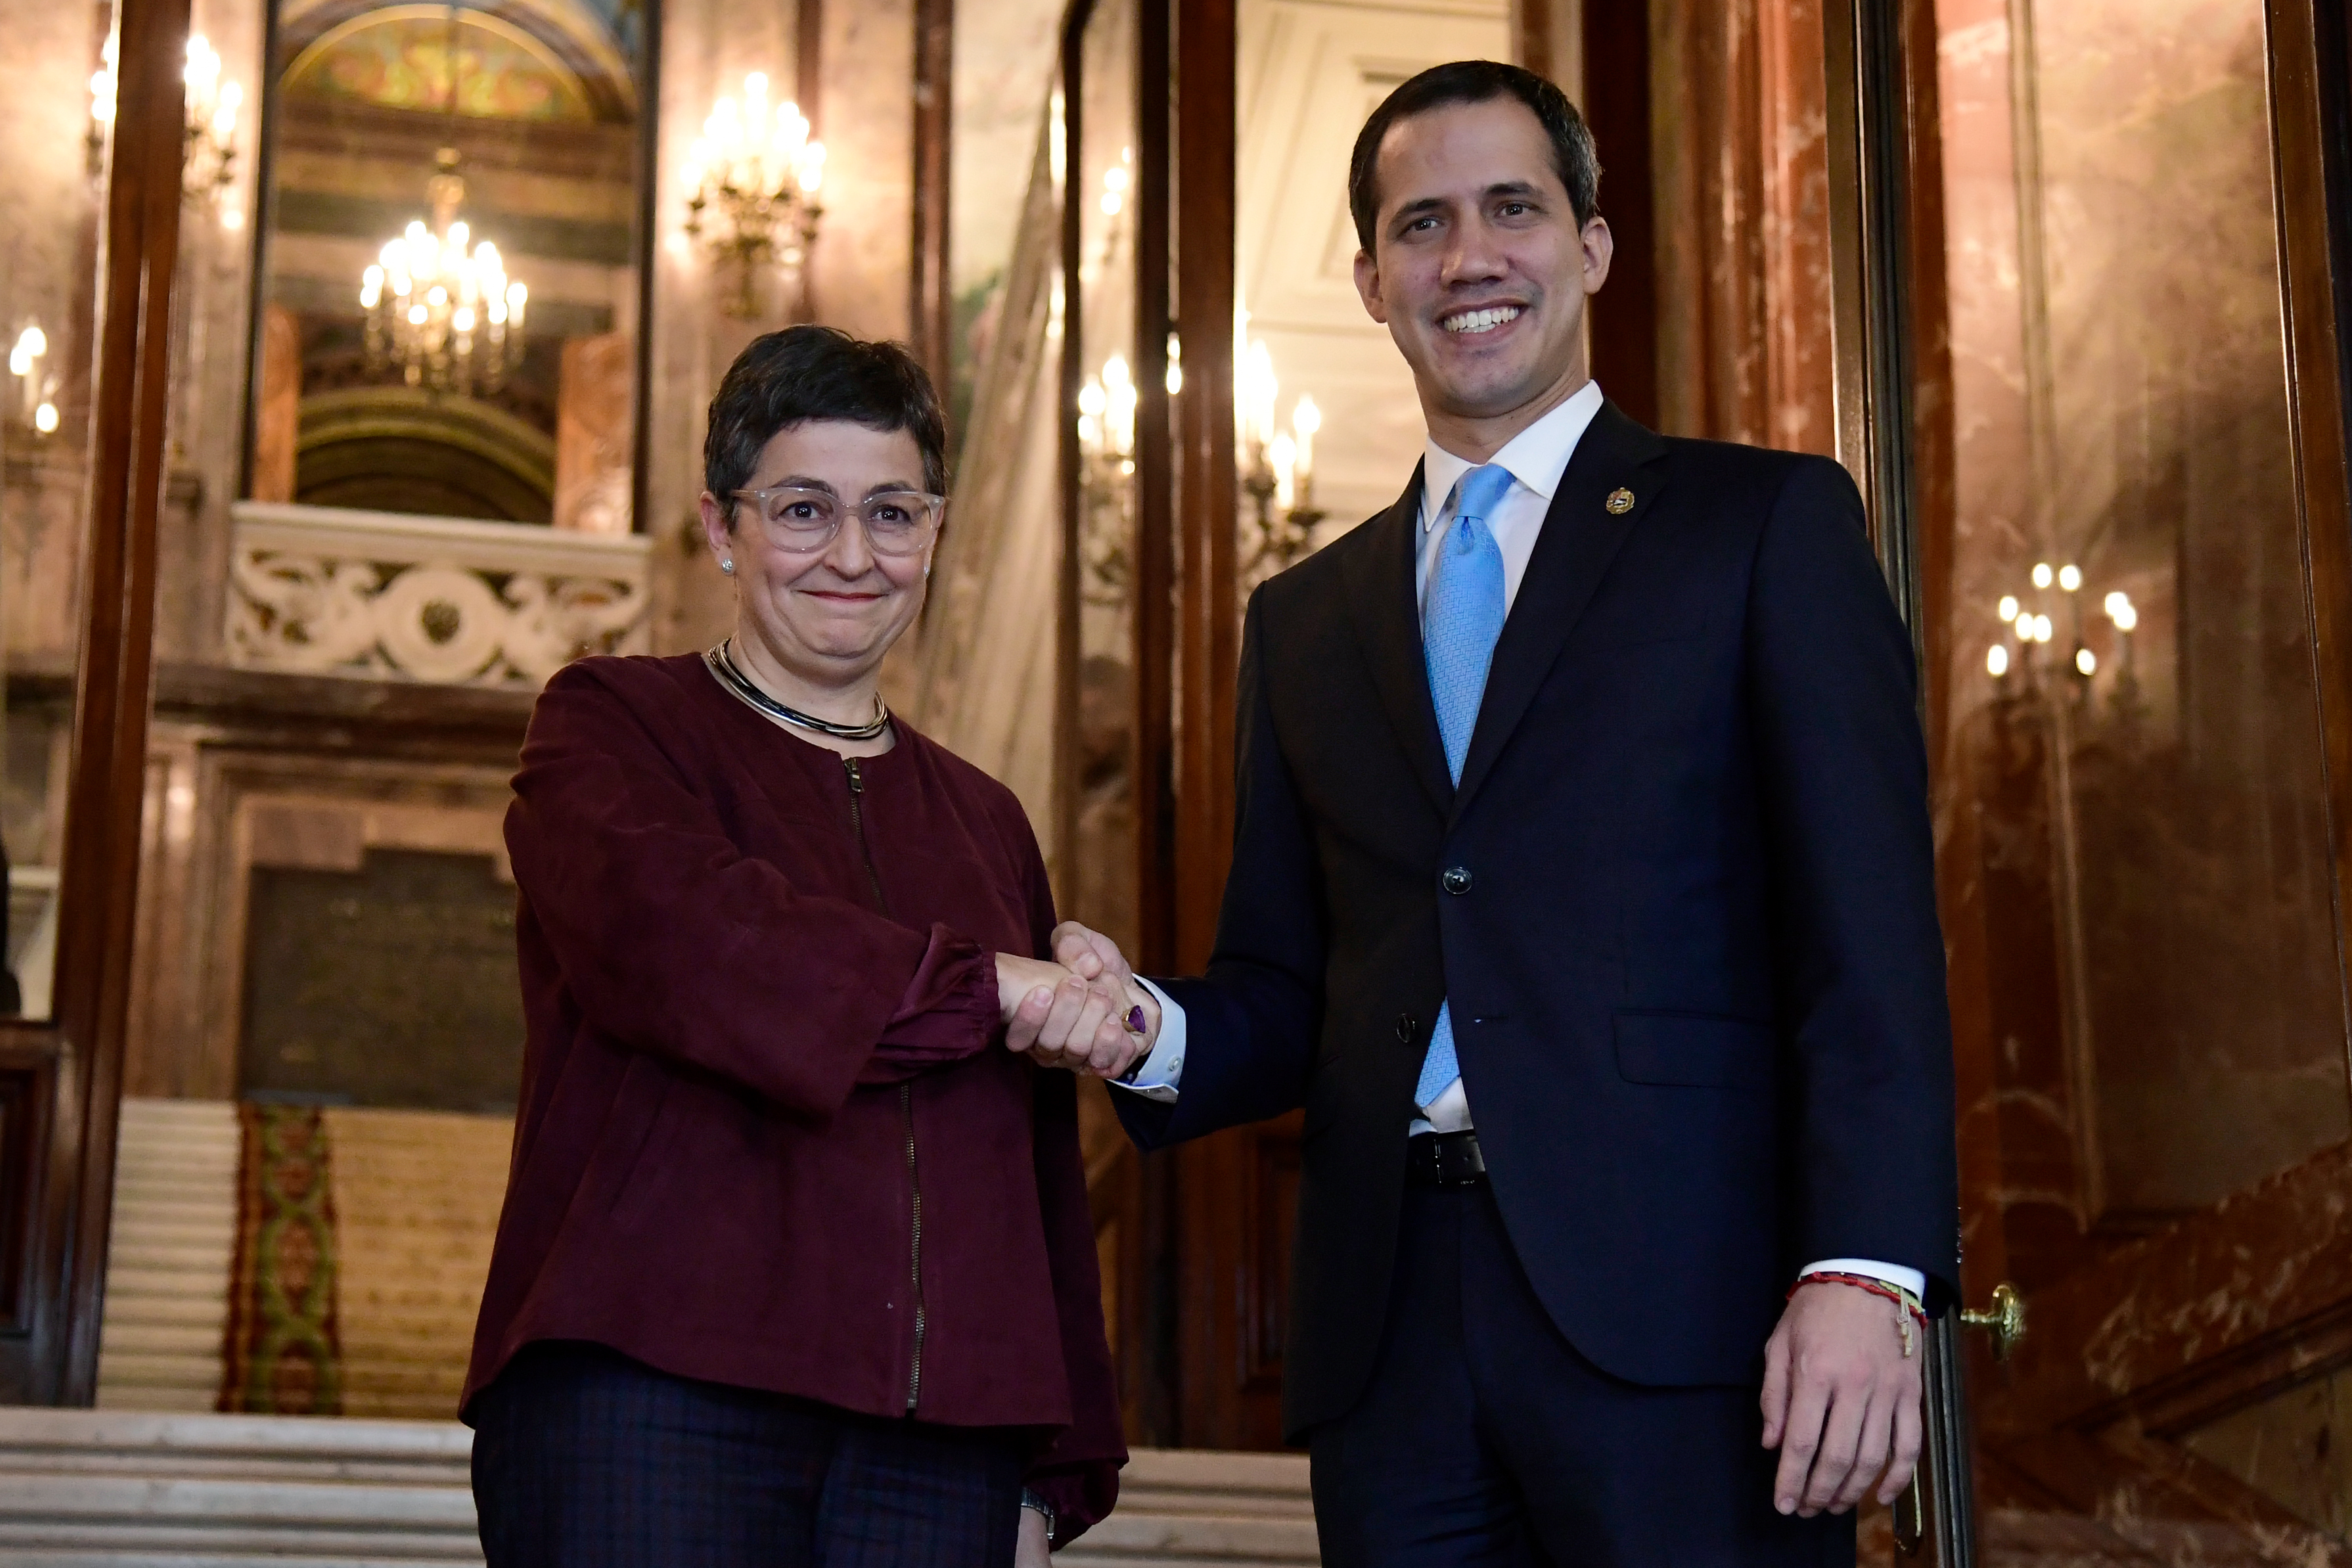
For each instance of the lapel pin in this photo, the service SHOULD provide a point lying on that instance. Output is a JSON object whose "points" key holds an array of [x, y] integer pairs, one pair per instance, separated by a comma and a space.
{"points": [[1620, 502]]}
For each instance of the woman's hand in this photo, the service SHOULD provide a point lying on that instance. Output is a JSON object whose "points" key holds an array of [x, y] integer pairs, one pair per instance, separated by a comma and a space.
{"points": [[1061, 1020], [1033, 1551]]}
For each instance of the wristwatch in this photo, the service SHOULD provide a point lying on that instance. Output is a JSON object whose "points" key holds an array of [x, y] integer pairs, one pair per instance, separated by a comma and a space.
{"points": [[1032, 1501]]}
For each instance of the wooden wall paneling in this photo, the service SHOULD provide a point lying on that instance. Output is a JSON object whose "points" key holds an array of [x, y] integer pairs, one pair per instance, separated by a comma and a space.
{"points": [[1207, 481], [1152, 607], [1871, 288], [1547, 38], [1134, 1201], [1152, 759], [1229, 1284], [1879, 237], [1743, 188], [57, 1361], [2310, 178], [930, 305], [1616, 57], [1072, 459]]}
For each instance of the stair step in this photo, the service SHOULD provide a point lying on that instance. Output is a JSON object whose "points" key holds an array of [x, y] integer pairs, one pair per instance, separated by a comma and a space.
{"points": [[102, 1488], [129, 1336]]}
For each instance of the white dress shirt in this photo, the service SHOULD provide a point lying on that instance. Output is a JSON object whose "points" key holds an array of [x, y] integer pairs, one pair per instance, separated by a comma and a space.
{"points": [[1537, 457]]}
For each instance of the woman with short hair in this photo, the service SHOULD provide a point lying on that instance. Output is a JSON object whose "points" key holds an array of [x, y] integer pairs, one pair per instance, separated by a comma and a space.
{"points": [[795, 1266]]}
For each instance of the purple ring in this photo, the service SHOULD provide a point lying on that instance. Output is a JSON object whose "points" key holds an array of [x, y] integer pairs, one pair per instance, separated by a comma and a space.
{"points": [[1136, 1024]]}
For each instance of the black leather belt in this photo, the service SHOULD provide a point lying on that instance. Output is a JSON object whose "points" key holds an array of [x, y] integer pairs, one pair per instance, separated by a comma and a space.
{"points": [[1445, 1160]]}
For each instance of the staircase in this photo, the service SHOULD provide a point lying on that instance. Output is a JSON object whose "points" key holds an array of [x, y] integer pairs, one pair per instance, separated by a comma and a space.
{"points": [[168, 1256], [416, 1197], [97, 1489]]}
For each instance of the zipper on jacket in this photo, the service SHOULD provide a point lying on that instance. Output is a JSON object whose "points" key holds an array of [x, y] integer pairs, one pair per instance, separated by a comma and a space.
{"points": [[857, 826], [915, 1267], [906, 1097]]}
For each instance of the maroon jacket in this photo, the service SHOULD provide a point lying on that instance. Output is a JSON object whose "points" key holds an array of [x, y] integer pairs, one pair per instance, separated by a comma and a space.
{"points": [[769, 1135]]}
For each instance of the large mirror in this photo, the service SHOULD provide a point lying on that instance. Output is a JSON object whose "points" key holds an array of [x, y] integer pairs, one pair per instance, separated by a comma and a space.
{"points": [[448, 292]]}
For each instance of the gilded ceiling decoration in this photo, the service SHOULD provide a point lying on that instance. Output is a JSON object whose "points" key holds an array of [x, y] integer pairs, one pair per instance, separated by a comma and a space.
{"points": [[412, 56]]}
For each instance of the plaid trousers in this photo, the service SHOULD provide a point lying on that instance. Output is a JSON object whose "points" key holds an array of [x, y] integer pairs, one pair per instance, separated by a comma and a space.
{"points": [[584, 1458]]}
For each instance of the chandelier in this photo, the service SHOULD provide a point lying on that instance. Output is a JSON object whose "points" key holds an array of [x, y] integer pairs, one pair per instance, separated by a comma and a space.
{"points": [[440, 306], [755, 174]]}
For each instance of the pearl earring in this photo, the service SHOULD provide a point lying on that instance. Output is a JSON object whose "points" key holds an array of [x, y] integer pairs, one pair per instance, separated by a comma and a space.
{"points": [[727, 567]]}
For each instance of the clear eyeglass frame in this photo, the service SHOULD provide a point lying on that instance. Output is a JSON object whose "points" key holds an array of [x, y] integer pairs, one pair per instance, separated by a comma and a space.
{"points": [[896, 522]]}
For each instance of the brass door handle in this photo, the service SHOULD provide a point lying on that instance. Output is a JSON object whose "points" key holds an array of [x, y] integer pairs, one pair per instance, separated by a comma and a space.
{"points": [[2004, 1319]]}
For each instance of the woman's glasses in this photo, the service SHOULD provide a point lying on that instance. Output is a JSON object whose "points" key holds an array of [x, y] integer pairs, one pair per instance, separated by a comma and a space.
{"points": [[896, 522]]}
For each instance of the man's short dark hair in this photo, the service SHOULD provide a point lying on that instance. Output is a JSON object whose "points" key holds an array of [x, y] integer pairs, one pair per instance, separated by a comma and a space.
{"points": [[800, 373], [1476, 81]]}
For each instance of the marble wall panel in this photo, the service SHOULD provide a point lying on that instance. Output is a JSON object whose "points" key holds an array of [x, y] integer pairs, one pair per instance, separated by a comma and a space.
{"points": [[2140, 852], [863, 256], [212, 355], [2296, 1446], [593, 433], [1740, 168]]}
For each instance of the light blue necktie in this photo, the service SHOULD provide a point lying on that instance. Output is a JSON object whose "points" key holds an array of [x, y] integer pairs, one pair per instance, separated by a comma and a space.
{"points": [[1460, 619]]}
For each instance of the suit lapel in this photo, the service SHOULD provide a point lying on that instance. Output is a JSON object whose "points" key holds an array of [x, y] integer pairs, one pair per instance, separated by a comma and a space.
{"points": [[1580, 537], [1381, 601]]}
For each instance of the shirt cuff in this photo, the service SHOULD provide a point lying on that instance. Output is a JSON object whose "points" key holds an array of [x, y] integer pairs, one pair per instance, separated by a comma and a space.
{"points": [[1910, 1279], [1162, 1073]]}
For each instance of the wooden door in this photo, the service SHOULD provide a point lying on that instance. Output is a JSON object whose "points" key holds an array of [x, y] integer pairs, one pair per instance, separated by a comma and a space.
{"points": [[83, 442], [2107, 461]]}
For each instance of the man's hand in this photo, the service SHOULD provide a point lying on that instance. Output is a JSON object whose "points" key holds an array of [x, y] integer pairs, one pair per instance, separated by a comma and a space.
{"points": [[1090, 954], [1062, 1019], [1840, 1398]]}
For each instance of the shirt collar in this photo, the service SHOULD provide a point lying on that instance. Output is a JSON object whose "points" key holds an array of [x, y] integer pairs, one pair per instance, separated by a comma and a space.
{"points": [[1536, 456]]}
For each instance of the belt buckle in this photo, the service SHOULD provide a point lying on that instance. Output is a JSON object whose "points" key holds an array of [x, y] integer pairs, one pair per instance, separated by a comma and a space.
{"points": [[1455, 1161]]}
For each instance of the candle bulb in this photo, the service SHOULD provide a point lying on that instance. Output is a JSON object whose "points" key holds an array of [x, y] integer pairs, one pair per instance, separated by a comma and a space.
{"points": [[1255, 398], [1282, 453], [1306, 420]]}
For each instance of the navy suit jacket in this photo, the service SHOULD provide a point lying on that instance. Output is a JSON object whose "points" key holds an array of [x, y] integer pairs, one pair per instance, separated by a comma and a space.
{"points": [[1695, 972]]}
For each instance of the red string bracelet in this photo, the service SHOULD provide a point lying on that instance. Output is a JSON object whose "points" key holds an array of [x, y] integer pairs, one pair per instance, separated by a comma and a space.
{"points": [[1906, 1306]]}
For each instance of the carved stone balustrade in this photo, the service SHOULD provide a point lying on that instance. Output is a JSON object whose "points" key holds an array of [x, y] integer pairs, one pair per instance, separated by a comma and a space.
{"points": [[326, 591]]}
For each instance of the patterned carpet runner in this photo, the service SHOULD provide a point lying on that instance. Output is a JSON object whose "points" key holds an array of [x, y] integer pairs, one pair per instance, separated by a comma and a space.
{"points": [[283, 1356]]}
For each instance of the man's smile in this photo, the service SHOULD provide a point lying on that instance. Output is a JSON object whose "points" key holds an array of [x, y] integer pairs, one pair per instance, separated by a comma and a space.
{"points": [[1484, 319]]}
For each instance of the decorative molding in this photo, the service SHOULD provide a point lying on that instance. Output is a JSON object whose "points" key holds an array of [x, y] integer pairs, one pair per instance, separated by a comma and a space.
{"points": [[319, 590]]}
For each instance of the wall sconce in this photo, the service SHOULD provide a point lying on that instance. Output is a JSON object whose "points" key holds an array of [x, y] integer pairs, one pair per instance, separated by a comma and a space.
{"points": [[1277, 467], [208, 142], [102, 110], [2033, 630], [37, 407], [755, 175]]}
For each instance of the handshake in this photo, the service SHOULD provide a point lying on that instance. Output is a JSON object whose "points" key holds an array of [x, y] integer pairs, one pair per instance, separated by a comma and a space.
{"points": [[1081, 1010]]}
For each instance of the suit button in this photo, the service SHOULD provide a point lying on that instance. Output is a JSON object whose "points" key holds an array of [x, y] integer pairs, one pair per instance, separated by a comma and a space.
{"points": [[1456, 879], [1406, 1025]]}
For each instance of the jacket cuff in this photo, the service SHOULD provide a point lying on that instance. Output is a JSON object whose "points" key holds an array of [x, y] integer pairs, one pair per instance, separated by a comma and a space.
{"points": [[1080, 1495], [947, 1012]]}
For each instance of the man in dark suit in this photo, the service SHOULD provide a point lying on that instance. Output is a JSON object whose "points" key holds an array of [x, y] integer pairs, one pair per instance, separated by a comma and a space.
{"points": [[1582, 894]]}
